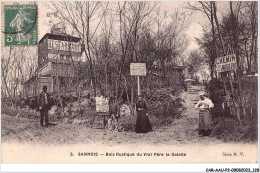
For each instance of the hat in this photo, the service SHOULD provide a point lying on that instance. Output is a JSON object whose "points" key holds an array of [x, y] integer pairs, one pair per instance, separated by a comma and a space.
{"points": [[44, 87], [201, 94]]}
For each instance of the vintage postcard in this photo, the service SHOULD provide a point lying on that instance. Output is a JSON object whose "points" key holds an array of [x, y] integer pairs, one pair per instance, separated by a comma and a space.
{"points": [[129, 82]]}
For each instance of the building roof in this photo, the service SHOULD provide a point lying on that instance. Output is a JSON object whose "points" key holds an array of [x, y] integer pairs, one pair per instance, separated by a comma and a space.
{"points": [[29, 80], [33, 78], [64, 37]]}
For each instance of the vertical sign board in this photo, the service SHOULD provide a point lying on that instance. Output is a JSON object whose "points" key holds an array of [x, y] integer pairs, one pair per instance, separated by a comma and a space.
{"points": [[226, 63], [102, 109], [102, 104], [138, 69]]}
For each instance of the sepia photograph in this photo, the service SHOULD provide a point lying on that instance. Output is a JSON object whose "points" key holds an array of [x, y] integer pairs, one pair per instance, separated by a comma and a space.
{"points": [[129, 82]]}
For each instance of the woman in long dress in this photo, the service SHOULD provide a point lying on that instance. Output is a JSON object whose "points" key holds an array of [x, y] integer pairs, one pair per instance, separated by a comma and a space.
{"points": [[143, 124], [205, 119]]}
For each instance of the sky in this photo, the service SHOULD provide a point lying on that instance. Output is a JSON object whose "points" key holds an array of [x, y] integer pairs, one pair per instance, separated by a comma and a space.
{"points": [[194, 30]]}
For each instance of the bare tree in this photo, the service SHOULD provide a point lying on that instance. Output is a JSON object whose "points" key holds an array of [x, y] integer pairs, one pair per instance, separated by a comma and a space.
{"points": [[18, 65], [85, 19]]}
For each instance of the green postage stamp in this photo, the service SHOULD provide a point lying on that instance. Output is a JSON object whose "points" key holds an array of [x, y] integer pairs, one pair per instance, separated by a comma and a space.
{"points": [[20, 24]]}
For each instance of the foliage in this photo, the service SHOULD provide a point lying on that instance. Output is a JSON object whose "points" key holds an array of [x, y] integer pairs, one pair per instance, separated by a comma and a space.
{"points": [[216, 94], [230, 130], [164, 102], [22, 112], [197, 65]]}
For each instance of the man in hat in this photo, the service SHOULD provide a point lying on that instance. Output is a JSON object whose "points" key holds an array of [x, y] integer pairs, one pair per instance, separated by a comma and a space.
{"points": [[205, 119], [44, 106]]}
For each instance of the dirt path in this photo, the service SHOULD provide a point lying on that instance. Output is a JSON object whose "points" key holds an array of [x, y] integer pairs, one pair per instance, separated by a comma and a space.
{"points": [[181, 131], [188, 124]]}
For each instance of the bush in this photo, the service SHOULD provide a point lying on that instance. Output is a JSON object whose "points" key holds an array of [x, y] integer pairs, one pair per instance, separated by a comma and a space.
{"points": [[128, 123], [22, 112], [164, 103], [217, 95], [230, 130], [227, 127]]}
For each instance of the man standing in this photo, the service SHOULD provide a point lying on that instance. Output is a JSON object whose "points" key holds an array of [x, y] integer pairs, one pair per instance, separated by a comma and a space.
{"points": [[205, 119], [44, 106]]}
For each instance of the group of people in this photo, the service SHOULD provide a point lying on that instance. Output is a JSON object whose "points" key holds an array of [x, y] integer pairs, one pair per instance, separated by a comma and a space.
{"points": [[143, 124]]}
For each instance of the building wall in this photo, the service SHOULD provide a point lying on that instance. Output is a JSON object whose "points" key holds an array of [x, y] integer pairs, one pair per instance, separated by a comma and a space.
{"points": [[34, 86], [42, 52], [29, 88], [62, 69]]}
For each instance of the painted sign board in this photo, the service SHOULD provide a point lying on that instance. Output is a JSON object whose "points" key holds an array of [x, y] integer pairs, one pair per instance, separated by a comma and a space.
{"points": [[226, 63], [138, 69], [102, 104], [64, 47]]}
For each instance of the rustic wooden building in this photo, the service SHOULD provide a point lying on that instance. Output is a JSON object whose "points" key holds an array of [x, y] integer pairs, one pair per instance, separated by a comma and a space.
{"points": [[59, 64]]}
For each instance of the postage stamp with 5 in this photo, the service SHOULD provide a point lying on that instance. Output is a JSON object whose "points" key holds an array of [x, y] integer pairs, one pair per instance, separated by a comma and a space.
{"points": [[20, 22]]}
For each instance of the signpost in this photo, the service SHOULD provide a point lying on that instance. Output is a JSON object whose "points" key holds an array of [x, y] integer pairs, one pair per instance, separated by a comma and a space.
{"points": [[226, 63], [138, 69]]}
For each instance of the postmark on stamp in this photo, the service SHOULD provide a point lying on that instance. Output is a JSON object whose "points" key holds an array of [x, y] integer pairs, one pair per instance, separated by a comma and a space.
{"points": [[20, 24]]}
